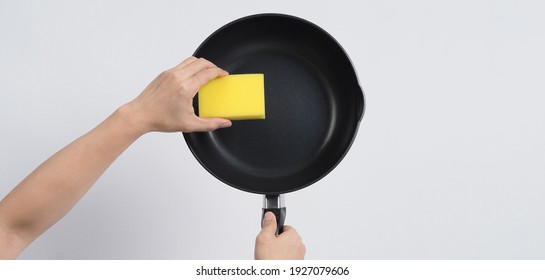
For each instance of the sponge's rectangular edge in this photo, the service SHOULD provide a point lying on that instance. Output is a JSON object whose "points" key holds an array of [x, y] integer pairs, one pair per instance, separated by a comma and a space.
{"points": [[234, 97]]}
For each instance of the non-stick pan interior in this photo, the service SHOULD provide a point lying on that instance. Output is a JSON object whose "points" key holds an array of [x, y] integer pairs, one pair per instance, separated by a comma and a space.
{"points": [[313, 105]]}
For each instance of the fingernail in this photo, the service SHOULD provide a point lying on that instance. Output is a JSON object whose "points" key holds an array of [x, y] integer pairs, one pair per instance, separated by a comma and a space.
{"points": [[226, 124]]}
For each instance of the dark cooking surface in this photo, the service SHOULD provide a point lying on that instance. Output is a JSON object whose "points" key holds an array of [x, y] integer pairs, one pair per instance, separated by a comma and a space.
{"points": [[313, 104]]}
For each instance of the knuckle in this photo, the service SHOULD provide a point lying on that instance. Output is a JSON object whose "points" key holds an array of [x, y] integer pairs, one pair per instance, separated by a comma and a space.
{"points": [[186, 86], [206, 62], [210, 74], [199, 80], [261, 239], [170, 75], [168, 72], [164, 74]]}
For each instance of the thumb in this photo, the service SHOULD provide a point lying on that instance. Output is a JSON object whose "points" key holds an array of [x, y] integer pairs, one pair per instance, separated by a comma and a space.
{"points": [[209, 124], [269, 223]]}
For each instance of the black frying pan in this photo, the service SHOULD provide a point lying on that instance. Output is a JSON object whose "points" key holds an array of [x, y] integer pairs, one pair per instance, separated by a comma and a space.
{"points": [[313, 106]]}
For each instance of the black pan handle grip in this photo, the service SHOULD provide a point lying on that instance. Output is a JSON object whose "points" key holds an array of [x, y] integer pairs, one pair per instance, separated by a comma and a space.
{"points": [[275, 204]]}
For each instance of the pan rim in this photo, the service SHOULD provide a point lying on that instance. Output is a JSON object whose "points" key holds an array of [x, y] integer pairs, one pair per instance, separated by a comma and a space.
{"points": [[360, 112]]}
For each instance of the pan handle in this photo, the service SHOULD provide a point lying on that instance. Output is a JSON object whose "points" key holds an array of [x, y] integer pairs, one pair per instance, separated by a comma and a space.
{"points": [[275, 204]]}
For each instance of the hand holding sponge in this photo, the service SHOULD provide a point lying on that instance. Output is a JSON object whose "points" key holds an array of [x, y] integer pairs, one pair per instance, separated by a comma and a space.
{"points": [[234, 97]]}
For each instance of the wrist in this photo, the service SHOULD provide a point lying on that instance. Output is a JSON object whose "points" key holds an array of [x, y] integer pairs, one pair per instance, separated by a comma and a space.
{"points": [[131, 120]]}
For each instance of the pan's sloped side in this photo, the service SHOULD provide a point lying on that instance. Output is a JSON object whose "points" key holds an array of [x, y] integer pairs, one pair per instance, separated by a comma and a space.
{"points": [[313, 105]]}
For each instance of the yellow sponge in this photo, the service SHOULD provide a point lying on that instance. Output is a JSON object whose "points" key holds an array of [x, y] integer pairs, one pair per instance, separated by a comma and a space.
{"points": [[234, 97]]}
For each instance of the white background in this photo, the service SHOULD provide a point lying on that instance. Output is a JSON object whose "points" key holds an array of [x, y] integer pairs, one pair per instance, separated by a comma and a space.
{"points": [[448, 163]]}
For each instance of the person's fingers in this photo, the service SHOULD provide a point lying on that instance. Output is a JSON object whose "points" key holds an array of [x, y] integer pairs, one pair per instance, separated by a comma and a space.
{"points": [[206, 75], [193, 84], [194, 67], [207, 124], [288, 229], [196, 72], [184, 63], [269, 223], [290, 233]]}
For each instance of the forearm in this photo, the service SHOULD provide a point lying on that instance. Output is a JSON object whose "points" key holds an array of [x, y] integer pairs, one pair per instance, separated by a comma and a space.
{"points": [[53, 188]]}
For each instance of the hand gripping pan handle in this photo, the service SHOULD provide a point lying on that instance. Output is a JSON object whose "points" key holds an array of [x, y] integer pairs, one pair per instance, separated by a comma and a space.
{"points": [[275, 204]]}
